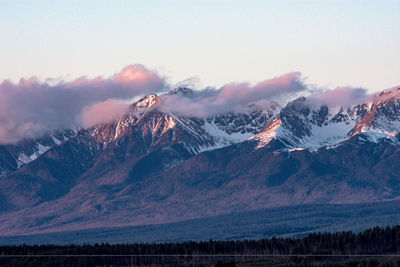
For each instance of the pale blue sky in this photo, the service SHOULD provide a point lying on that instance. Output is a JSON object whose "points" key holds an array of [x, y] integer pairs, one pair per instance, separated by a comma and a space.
{"points": [[333, 43]]}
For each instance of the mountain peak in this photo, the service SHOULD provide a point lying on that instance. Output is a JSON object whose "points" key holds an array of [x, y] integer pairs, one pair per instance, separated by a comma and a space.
{"points": [[383, 118], [298, 105], [147, 101], [390, 93], [181, 90], [384, 97]]}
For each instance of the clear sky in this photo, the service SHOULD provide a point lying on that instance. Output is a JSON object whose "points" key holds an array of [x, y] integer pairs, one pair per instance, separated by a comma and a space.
{"points": [[333, 43]]}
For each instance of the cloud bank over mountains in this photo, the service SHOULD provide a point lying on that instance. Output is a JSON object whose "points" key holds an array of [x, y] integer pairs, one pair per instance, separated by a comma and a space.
{"points": [[341, 96], [31, 108], [235, 96]]}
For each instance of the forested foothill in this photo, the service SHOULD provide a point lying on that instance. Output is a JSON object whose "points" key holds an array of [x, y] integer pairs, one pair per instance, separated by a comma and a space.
{"points": [[373, 247]]}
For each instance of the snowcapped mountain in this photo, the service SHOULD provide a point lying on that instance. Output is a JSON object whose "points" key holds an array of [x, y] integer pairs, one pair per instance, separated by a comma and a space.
{"points": [[195, 133], [153, 166], [143, 142], [300, 126], [201, 133]]}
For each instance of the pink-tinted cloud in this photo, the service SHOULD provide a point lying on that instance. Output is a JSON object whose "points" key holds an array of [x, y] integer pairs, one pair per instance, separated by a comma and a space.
{"points": [[278, 87], [137, 74], [341, 96], [235, 96], [31, 108], [103, 112]]}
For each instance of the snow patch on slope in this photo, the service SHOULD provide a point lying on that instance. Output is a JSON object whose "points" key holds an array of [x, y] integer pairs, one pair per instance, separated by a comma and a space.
{"points": [[389, 131], [327, 135], [25, 159], [223, 138], [273, 130], [56, 140]]}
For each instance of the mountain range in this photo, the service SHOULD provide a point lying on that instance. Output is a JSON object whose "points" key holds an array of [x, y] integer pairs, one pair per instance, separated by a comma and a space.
{"points": [[152, 166]]}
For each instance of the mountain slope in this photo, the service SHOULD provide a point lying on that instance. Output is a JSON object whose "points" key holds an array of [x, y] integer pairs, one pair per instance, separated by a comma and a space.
{"points": [[283, 222], [14, 156], [232, 179]]}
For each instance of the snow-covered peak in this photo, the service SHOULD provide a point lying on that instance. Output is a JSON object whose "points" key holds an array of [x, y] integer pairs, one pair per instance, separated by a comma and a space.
{"points": [[383, 98], [181, 90], [383, 119], [106, 133], [143, 105], [147, 102], [387, 95]]}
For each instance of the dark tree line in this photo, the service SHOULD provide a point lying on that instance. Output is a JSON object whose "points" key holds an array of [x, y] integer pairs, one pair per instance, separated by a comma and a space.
{"points": [[373, 247]]}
